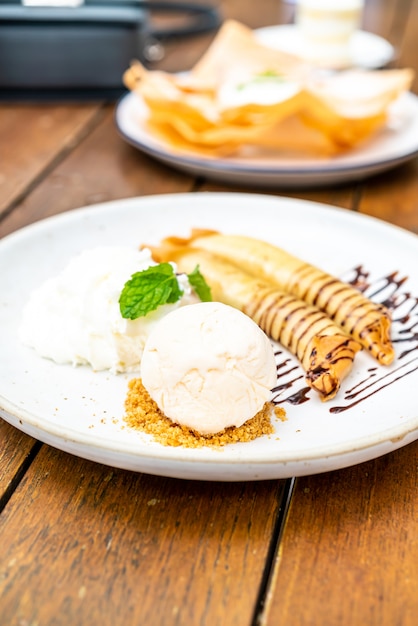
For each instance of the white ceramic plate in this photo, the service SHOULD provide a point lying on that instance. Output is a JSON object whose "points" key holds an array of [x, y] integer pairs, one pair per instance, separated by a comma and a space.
{"points": [[392, 146], [81, 412], [367, 50]]}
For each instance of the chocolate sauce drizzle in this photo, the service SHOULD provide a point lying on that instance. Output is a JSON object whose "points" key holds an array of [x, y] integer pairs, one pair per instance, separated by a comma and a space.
{"points": [[388, 291]]}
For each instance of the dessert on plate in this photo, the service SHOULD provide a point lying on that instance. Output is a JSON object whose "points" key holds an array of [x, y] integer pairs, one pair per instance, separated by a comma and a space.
{"points": [[207, 375], [74, 317], [244, 95]]}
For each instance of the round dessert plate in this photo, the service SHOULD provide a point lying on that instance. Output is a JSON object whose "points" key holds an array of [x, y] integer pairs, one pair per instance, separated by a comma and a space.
{"points": [[82, 412], [367, 50]]}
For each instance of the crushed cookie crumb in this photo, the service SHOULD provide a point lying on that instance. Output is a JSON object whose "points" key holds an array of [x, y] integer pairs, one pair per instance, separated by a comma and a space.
{"points": [[280, 413], [142, 413]]}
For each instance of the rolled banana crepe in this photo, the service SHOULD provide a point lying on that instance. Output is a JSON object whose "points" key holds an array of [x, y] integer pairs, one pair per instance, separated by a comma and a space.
{"points": [[324, 351], [365, 321]]}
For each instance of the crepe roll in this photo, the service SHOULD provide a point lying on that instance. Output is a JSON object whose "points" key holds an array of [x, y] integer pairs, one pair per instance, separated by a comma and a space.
{"points": [[324, 351], [365, 321]]}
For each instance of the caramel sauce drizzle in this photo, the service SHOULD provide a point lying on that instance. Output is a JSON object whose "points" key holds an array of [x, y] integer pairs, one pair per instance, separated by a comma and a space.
{"points": [[386, 292]]}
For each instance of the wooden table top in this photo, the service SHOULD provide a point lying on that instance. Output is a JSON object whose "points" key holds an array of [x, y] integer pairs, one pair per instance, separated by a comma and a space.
{"points": [[85, 544]]}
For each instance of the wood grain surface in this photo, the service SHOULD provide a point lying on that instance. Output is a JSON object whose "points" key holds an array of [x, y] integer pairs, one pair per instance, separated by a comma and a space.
{"points": [[349, 554], [33, 140], [16, 452], [83, 544], [86, 544]]}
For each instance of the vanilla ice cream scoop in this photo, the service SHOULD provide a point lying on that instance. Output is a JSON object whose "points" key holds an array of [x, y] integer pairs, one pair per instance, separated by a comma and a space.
{"points": [[208, 366]]}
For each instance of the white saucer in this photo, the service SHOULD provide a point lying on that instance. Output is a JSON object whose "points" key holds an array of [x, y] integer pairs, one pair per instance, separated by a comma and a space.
{"points": [[367, 50]]}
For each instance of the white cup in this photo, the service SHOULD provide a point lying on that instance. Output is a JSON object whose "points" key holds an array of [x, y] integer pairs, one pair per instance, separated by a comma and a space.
{"points": [[326, 28]]}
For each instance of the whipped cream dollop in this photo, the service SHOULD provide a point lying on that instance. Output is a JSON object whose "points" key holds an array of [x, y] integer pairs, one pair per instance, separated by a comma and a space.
{"points": [[74, 317], [208, 367]]}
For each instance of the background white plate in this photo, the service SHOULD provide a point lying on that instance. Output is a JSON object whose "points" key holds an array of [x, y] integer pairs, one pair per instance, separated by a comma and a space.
{"points": [[390, 147], [81, 412], [367, 50]]}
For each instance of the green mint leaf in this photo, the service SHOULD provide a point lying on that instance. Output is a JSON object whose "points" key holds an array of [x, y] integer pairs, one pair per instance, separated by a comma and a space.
{"points": [[199, 284], [269, 76], [145, 291]]}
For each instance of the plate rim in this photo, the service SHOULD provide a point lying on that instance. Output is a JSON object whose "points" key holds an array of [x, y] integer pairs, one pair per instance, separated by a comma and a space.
{"points": [[210, 456], [359, 36], [224, 166]]}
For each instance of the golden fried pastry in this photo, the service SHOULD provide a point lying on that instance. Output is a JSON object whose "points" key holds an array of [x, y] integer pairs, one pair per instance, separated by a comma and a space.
{"points": [[243, 93]]}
